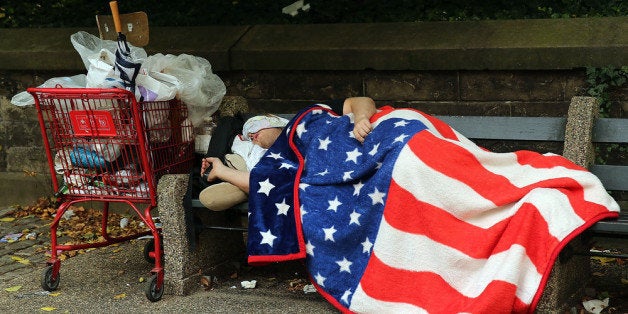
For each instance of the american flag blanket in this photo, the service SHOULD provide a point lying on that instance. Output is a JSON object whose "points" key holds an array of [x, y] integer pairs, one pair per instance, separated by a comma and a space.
{"points": [[417, 218]]}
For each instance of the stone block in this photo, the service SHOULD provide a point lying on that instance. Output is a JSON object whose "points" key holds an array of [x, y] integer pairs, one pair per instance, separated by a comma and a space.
{"points": [[489, 108], [184, 263], [10, 112], [513, 85], [19, 188], [278, 106], [409, 85], [315, 84], [27, 159], [248, 84]]}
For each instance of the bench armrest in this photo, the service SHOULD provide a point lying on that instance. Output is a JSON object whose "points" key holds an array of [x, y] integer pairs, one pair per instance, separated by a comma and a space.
{"points": [[579, 130]]}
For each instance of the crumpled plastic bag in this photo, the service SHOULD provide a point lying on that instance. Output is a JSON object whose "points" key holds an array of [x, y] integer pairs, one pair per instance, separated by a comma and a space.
{"points": [[25, 99], [199, 88], [595, 306], [90, 47], [161, 77]]}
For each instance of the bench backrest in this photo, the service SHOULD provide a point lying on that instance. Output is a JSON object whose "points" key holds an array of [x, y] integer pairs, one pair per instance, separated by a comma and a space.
{"points": [[553, 129], [606, 130]]}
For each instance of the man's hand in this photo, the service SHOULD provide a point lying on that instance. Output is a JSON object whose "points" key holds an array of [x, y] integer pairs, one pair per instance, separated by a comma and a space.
{"points": [[361, 129], [363, 108], [216, 166]]}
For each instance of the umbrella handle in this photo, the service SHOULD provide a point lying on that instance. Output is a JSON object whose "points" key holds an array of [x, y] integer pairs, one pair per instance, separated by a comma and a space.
{"points": [[116, 15]]}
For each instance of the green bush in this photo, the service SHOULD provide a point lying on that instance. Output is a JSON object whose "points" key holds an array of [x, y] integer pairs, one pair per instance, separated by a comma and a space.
{"points": [[75, 13]]}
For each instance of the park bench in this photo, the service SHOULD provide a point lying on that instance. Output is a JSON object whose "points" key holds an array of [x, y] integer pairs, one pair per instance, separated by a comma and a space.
{"points": [[578, 132]]}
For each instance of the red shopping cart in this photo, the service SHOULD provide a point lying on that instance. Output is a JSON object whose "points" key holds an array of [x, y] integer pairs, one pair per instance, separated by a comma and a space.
{"points": [[107, 147]]}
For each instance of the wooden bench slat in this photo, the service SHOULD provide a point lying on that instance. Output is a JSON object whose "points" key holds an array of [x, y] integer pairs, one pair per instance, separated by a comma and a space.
{"points": [[508, 128], [607, 130], [614, 178], [612, 226]]}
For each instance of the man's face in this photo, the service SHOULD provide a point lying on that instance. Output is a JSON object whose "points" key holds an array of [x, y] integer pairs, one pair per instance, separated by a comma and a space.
{"points": [[265, 137]]}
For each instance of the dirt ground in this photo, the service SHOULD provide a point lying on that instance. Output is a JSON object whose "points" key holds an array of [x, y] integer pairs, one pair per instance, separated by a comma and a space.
{"points": [[609, 275]]}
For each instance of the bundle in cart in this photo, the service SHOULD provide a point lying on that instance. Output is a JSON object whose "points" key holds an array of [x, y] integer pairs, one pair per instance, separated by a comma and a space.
{"points": [[104, 146]]}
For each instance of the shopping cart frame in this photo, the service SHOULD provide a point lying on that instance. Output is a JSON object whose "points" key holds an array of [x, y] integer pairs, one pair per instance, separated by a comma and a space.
{"points": [[45, 99]]}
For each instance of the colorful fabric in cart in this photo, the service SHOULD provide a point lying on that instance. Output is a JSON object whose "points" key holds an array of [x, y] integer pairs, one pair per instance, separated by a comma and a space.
{"points": [[417, 218]]}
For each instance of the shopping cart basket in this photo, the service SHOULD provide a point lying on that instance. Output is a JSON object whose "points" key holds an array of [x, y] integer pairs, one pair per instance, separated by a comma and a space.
{"points": [[107, 147]]}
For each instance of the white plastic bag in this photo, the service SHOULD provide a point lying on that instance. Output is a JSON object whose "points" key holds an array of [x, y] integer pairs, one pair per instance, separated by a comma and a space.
{"points": [[100, 72], [25, 99], [198, 87], [155, 86], [98, 55], [89, 48]]}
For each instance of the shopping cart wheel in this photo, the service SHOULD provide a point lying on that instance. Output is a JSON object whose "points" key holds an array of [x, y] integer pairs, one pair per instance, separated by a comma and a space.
{"points": [[149, 247], [50, 280], [154, 291]]}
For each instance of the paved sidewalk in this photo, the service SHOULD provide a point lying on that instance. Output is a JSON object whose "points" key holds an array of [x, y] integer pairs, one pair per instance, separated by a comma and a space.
{"points": [[109, 280], [31, 248], [112, 280]]}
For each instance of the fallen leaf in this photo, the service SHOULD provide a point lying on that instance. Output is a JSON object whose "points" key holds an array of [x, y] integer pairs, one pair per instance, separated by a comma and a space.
{"points": [[48, 308], [54, 294], [20, 260], [13, 289], [604, 260], [119, 296], [7, 219], [141, 279], [206, 282], [29, 173]]}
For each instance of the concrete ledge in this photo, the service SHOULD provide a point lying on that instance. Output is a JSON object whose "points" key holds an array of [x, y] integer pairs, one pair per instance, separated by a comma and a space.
{"points": [[471, 45], [20, 186], [51, 49], [212, 43], [474, 45]]}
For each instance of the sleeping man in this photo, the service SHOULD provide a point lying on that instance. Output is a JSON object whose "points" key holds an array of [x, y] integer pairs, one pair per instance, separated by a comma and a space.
{"points": [[264, 130], [394, 211]]}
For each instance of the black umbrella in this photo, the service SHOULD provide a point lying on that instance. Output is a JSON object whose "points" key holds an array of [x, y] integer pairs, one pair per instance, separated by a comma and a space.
{"points": [[125, 66]]}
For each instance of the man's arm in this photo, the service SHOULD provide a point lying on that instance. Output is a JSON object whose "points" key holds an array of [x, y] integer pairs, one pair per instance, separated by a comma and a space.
{"points": [[363, 108]]}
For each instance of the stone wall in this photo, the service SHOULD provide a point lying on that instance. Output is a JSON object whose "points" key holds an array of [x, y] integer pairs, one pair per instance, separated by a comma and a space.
{"points": [[511, 68]]}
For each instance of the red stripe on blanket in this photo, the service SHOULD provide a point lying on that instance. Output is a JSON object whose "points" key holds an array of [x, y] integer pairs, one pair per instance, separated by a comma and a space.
{"points": [[526, 157], [458, 163], [430, 292], [404, 212], [443, 128]]}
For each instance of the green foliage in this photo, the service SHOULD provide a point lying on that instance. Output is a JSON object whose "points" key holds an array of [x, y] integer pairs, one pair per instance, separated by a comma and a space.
{"points": [[602, 81], [76, 13]]}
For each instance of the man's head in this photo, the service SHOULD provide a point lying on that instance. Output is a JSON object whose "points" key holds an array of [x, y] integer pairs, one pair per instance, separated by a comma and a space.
{"points": [[263, 130]]}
